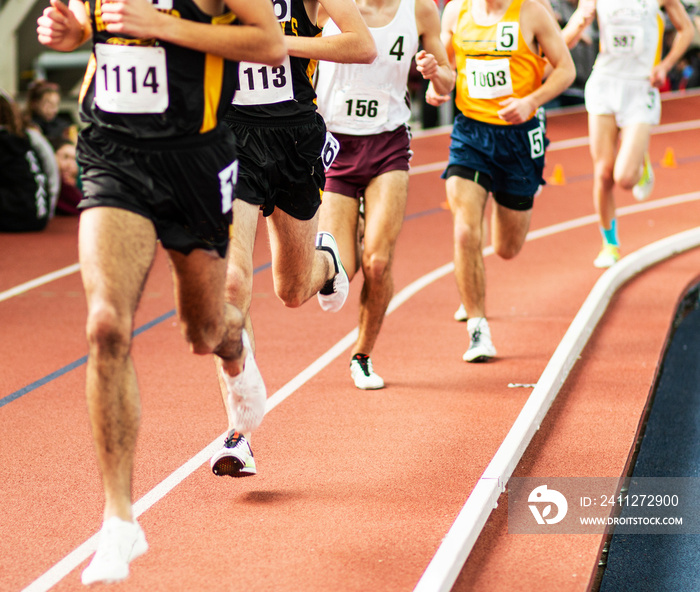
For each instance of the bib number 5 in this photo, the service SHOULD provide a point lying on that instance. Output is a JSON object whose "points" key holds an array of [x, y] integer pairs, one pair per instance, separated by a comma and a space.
{"points": [[536, 142]]}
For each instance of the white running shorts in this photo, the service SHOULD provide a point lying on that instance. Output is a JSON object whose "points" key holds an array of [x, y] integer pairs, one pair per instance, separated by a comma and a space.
{"points": [[629, 100]]}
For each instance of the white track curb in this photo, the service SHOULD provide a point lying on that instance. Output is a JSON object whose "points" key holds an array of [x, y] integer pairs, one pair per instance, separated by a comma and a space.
{"points": [[443, 570]]}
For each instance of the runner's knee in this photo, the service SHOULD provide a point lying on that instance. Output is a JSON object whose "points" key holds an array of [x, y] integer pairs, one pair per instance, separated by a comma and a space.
{"points": [[375, 265], [290, 293], [507, 249], [203, 338], [626, 178], [467, 236], [239, 281], [604, 173], [108, 332]]}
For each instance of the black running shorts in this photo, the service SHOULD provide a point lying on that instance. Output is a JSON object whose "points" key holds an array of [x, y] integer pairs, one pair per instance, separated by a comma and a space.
{"points": [[281, 164], [185, 186]]}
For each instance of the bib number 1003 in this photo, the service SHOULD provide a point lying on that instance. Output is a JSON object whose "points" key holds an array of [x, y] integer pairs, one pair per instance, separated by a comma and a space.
{"points": [[489, 79]]}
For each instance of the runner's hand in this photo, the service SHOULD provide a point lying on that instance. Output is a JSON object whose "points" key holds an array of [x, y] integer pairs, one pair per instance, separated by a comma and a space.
{"points": [[58, 28], [426, 64]]}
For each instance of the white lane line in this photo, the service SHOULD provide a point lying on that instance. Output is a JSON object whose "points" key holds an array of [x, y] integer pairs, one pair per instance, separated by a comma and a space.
{"points": [[447, 563], [40, 281], [58, 571], [665, 128], [559, 145], [417, 170]]}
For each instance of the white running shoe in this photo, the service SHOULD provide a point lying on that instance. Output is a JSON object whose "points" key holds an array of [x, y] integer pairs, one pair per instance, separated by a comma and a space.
{"points": [[120, 542], [334, 293], [608, 256], [246, 392], [480, 349], [461, 314], [235, 459], [363, 374], [645, 185]]}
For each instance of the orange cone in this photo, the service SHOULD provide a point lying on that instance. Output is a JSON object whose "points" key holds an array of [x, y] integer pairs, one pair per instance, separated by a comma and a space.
{"points": [[557, 177], [669, 159]]}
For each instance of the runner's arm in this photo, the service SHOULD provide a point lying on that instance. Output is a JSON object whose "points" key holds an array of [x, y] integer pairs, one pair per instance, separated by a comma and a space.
{"points": [[579, 21], [432, 61], [448, 24], [684, 35], [354, 44], [258, 39], [547, 36]]}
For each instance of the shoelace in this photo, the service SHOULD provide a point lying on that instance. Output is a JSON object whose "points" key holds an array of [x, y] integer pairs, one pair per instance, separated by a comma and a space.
{"points": [[364, 362], [233, 440], [476, 336]]}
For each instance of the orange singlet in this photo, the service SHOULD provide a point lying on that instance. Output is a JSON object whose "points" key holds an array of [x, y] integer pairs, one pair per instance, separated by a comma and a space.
{"points": [[493, 63]]}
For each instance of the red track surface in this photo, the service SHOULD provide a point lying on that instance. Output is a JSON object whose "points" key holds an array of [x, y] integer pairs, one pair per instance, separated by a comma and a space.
{"points": [[355, 489]]}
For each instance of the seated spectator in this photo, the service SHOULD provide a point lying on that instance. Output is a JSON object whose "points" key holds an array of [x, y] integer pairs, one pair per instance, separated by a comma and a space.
{"points": [[25, 193], [70, 193], [43, 103], [47, 159]]}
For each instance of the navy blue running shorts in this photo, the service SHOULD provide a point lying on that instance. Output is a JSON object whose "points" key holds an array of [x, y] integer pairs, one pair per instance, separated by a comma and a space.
{"points": [[185, 186], [507, 160]]}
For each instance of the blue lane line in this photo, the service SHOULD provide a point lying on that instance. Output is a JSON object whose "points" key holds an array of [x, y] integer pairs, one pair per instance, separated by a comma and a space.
{"points": [[424, 213], [73, 365], [42, 381]]}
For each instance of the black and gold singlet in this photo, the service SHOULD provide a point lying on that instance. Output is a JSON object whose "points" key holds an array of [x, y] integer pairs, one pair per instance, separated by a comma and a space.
{"points": [[283, 91], [151, 89]]}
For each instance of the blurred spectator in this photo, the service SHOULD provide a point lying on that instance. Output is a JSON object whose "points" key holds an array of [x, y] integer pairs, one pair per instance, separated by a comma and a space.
{"points": [[583, 52], [43, 103], [686, 73], [25, 190], [47, 159], [70, 194]]}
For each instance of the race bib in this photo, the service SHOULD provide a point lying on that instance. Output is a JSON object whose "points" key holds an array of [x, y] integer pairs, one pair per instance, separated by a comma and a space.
{"points": [[330, 150], [283, 10], [227, 182], [536, 137], [625, 40], [361, 109], [131, 79], [263, 85], [507, 36], [489, 79]]}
